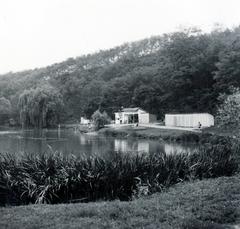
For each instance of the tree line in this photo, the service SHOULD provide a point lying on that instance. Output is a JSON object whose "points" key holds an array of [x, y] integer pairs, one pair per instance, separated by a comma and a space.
{"points": [[184, 71]]}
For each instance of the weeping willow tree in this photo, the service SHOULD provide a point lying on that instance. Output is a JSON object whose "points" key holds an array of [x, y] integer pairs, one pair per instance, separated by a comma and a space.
{"points": [[40, 107]]}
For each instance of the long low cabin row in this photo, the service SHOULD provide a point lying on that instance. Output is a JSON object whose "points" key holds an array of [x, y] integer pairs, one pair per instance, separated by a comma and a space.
{"points": [[189, 120]]}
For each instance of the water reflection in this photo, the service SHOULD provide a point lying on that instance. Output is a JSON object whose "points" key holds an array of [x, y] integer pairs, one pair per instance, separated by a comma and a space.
{"points": [[124, 145], [78, 144]]}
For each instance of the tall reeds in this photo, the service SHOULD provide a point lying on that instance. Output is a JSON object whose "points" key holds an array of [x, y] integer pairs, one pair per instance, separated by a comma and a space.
{"points": [[54, 178]]}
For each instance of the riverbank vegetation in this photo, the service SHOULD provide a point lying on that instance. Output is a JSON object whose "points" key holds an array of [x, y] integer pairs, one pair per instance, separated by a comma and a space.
{"points": [[54, 178]]}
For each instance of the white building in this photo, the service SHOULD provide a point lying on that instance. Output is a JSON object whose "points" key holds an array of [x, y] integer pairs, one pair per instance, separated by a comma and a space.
{"points": [[84, 121], [134, 115], [189, 120]]}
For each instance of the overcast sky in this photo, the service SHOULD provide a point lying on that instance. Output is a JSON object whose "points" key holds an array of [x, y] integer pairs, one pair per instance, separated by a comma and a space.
{"points": [[36, 33]]}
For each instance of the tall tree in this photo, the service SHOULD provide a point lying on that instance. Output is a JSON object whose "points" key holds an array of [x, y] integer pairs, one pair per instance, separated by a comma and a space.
{"points": [[5, 110], [228, 114], [40, 107], [228, 67], [5, 106]]}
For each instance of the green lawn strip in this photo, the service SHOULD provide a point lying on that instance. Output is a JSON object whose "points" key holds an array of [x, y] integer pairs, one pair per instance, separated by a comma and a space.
{"points": [[208, 203], [151, 133]]}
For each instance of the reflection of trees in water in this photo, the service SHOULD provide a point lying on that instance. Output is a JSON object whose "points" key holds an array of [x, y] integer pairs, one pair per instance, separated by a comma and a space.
{"points": [[38, 141], [81, 144]]}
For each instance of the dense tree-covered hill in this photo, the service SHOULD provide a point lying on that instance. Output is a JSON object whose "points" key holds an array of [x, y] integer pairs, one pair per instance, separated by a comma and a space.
{"points": [[178, 72]]}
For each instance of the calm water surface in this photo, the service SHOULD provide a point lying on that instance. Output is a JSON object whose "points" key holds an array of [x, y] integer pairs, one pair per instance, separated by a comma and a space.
{"points": [[68, 142]]}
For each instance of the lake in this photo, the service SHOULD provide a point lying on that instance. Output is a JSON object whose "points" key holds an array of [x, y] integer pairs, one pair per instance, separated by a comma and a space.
{"points": [[70, 142]]}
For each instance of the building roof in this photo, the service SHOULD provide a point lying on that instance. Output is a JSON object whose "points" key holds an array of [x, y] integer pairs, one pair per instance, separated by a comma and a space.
{"points": [[173, 114], [133, 109]]}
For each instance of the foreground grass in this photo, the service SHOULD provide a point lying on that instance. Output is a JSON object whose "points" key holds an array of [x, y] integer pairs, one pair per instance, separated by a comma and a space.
{"points": [[212, 203]]}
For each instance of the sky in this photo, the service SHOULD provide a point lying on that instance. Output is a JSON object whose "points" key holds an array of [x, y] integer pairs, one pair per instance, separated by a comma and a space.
{"points": [[38, 33]]}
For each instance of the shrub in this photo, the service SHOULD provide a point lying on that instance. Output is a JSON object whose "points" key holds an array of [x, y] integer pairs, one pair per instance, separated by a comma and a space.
{"points": [[228, 113], [100, 119]]}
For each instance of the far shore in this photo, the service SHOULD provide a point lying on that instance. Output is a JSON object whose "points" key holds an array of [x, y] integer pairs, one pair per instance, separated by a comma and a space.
{"points": [[175, 134], [151, 132]]}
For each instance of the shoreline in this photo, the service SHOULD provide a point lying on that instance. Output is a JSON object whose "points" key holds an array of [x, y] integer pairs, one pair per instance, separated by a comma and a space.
{"points": [[162, 134]]}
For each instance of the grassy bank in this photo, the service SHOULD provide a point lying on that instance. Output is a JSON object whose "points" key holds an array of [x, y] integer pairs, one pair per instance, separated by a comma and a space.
{"points": [[54, 178], [223, 131], [211, 135], [206, 204], [152, 133]]}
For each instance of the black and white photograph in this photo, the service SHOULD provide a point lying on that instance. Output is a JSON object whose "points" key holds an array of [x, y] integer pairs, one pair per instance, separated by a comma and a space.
{"points": [[119, 114]]}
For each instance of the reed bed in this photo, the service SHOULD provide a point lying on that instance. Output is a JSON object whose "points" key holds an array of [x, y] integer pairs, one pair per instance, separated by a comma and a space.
{"points": [[53, 178]]}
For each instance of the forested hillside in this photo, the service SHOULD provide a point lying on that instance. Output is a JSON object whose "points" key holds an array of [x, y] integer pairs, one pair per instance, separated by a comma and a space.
{"points": [[178, 72]]}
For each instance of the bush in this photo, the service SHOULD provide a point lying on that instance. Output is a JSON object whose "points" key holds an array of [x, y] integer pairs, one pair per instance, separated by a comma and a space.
{"points": [[228, 113], [100, 119]]}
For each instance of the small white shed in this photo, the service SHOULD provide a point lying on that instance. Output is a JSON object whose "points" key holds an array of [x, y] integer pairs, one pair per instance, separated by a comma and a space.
{"points": [[189, 120], [84, 121], [134, 115]]}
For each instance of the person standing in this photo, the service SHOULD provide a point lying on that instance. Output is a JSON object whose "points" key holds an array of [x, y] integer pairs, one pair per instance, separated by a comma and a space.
{"points": [[199, 125]]}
